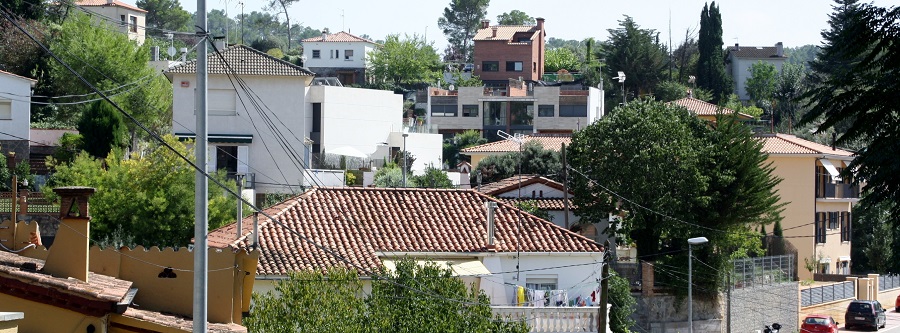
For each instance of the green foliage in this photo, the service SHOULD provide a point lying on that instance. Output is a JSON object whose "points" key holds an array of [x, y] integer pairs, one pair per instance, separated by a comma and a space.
{"points": [[431, 178], [349, 178], [472, 81], [622, 304], [460, 141], [274, 5], [638, 53], [22, 171], [276, 53], [733, 103], [685, 57], [26, 9], [264, 45], [853, 91], [102, 129], [761, 83], [405, 62], [873, 239], [710, 62], [165, 14], [69, 146], [149, 196], [534, 160], [530, 207], [515, 17], [801, 55], [109, 60], [459, 22], [390, 176], [668, 91], [788, 89], [561, 58]]}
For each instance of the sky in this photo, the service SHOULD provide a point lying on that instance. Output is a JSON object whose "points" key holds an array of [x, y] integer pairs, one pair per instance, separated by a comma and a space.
{"points": [[750, 23]]}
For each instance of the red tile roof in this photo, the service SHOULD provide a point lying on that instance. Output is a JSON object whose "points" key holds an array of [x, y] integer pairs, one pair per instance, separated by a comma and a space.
{"points": [[506, 32], [357, 223], [101, 3], [338, 37], [704, 108], [549, 141], [788, 144], [512, 183], [244, 60], [179, 322]]}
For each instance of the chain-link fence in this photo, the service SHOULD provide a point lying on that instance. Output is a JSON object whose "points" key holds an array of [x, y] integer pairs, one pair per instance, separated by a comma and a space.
{"points": [[762, 271]]}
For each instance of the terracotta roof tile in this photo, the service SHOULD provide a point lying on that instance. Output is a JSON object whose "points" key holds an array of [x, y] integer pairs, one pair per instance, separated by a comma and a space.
{"points": [[704, 108], [357, 223], [511, 183], [542, 203], [338, 37], [244, 60], [789, 144], [753, 52], [549, 141], [506, 32], [180, 322], [101, 3]]}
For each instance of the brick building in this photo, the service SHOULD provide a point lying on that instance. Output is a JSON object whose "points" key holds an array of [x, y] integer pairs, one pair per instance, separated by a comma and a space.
{"points": [[504, 52]]}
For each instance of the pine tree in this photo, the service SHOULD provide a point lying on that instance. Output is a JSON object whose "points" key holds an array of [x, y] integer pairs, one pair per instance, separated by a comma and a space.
{"points": [[102, 129], [711, 62]]}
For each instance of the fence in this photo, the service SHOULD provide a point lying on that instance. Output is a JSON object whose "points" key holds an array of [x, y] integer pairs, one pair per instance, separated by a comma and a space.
{"points": [[631, 271], [826, 294], [761, 271], [887, 282], [552, 319], [36, 203]]}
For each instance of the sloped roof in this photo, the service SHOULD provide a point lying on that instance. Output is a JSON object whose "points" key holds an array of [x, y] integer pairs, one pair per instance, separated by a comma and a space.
{"points": [[753, 52], [704, 108], [18, 76], [542, 203], [512, 183], [338, 37], [179, 322], [244, 60], [790, 145], [102, 3], [549, 141], [506, 32], [357, 223]]}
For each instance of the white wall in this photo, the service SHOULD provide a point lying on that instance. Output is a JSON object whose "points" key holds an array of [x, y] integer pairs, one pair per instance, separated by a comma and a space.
{"points": [[113, 15], [595, 106], [549, 192], [425, 147], [360, 49], [741, 72], [15, 97], [285, 99], [355, 117], [579, 279]]}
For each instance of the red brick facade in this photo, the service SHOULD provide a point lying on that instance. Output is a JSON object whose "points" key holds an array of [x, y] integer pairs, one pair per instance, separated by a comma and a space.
{"points": [[507, 45]]}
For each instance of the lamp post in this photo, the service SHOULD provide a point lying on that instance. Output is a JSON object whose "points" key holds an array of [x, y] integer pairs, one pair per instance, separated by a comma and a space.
{"points": [[691, 243], [404, 158], [621, 79]]}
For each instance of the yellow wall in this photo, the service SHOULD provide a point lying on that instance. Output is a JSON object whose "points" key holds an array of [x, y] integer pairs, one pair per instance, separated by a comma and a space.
{"points": [[41, 318]]}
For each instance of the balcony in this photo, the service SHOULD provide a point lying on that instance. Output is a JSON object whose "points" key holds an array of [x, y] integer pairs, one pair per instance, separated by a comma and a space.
{"points": [[837, 191], [553, 319]]}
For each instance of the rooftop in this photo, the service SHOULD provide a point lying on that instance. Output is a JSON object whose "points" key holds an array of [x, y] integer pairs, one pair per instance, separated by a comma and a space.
{"points": [[512, 183], [777, 143], [338, 37], [243, 60], [549, 141], [704, 108], [18, 76], [753, 52], [103, 3], [506, 32]]}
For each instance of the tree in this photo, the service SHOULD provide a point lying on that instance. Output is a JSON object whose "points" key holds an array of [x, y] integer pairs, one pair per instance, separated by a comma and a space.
{"points": [[686, 56], [561, 58], [405, 63], [761, 83], [638, 53], [284, 4], [389, 176], [515, 17], [788, 89], [710, 62], [460, 22], [533, 159], [801, 55], [460, 141], [26, 9], [431, 178], [853, 90], [873, 238], [102, 129], [148, 196], [668, 91], [166, 15], [622, 304]]}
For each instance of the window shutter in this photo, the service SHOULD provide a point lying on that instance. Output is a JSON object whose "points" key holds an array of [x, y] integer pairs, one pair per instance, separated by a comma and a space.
{"points": [[243, 153], [211, 158]]}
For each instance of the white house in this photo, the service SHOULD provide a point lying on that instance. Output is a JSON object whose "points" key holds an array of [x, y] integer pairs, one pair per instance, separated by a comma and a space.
{"points": [[738, 60], [15, 113], [127, 18], [340, 55]]}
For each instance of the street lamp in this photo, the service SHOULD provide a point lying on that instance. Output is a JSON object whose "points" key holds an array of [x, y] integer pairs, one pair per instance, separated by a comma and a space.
{"points": [[691, 243], [404, 158], [621, 79]]}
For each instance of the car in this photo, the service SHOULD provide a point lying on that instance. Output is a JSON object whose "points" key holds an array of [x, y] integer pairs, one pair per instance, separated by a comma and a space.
{"points": [[817, 323], [468, 67], [897, 304], [869, 314]]}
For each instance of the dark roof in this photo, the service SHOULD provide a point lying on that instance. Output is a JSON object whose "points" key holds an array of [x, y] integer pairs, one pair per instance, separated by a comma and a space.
{"points": [[753, 52], [244, 60], [358, 223]]}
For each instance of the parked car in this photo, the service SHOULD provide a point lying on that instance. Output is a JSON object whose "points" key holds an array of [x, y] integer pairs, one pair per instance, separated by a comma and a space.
{"points": [[819, 324], [897, 304], [866, 314]]}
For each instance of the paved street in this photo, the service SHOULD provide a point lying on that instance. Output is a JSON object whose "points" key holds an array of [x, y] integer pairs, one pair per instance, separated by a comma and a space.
{"points": [[893, 323]]}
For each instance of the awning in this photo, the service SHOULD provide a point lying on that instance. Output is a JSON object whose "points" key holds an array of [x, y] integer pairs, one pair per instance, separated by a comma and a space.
{"points": [[461, 267], [825, 260], [219, 138], [844, 258], [835, 175]]}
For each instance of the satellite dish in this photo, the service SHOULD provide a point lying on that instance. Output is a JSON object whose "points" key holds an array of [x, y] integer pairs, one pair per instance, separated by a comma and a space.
{"points": [[171, 51], [452, 87]]}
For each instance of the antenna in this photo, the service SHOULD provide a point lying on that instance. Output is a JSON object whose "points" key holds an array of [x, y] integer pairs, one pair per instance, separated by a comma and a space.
{"points": [[517, 138]]}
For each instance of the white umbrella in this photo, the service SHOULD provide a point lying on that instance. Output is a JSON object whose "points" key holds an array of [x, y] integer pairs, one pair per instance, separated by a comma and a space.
{"points": [[348, 151]]}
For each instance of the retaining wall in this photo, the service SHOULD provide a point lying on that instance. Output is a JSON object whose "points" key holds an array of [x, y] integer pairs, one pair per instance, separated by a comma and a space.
{"points": [[753, 308]]}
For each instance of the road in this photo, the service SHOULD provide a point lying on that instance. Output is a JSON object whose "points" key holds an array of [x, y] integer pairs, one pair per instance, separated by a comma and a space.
{"points": [[893, 323]]}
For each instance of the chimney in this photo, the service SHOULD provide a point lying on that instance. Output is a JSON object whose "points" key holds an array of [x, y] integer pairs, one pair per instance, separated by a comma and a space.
{"points": [[324, 36], [540, 23], [485, 24], [779, 49], [69, 255], [219, 42], [490, 206], [737, 47], [494, 32]]}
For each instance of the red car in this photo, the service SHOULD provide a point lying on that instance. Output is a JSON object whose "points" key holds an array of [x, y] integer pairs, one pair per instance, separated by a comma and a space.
{"points": [[819, 324], [897, 304]]}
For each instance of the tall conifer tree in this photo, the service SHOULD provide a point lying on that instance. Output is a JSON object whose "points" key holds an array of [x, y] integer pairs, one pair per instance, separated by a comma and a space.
{"points": [[711, 63]]}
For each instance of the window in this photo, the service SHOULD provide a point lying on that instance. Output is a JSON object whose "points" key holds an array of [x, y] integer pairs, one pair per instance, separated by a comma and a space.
{"points": [[573, 110], [124, 20], [833, 220], [317, 54], [6, 110], [132, 26], [513, 66], [845, 226], [490, 66], [546, 110], [222, 102], [534, 67], [541, 282], [337, 54], [348, 54], [470, 110], [226, 158], [494, 114], [443, 110], [521, 113], [820, 227]]}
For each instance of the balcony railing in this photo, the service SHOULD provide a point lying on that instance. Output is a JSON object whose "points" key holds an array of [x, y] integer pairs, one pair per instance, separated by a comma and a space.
{"points": [[249, 179], [553, 319], [839, 191]]}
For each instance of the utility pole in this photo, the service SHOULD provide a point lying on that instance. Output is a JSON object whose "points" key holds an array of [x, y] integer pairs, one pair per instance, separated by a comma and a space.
{"points": [[604, 289], [201, 187], [565, 185], [240, 204]]}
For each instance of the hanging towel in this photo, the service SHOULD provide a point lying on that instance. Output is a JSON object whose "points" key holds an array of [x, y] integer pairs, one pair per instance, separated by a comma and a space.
{"points": [[538, 298], [562, 297], [520, 296]]}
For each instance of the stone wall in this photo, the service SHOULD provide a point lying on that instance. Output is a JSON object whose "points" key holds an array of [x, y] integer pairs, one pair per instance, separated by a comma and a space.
{"points": [[667, 313], [48, 223], [753, 308]]}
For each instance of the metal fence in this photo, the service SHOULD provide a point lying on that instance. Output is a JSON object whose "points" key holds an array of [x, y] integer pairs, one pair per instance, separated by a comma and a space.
{"points": [[750, 272], [829, 293], [631, 271], [887, 282]]}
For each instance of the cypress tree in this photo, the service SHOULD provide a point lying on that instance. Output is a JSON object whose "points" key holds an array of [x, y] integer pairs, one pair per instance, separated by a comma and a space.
{"points": [[102, 129], [711, 62]]}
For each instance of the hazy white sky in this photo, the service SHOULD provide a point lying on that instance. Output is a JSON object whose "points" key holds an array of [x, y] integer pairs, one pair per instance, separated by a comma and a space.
{"points": [[756, 23]]}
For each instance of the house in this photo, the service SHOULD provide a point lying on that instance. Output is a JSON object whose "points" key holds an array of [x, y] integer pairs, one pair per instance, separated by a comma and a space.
{"points": [[738, 60], [267, 122], [15, 114], [346, 58], [818, 215], [547, 195], [126, 18], [367, 228], [706, 110], [509, 51], [552, 142], [72, 287]]}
